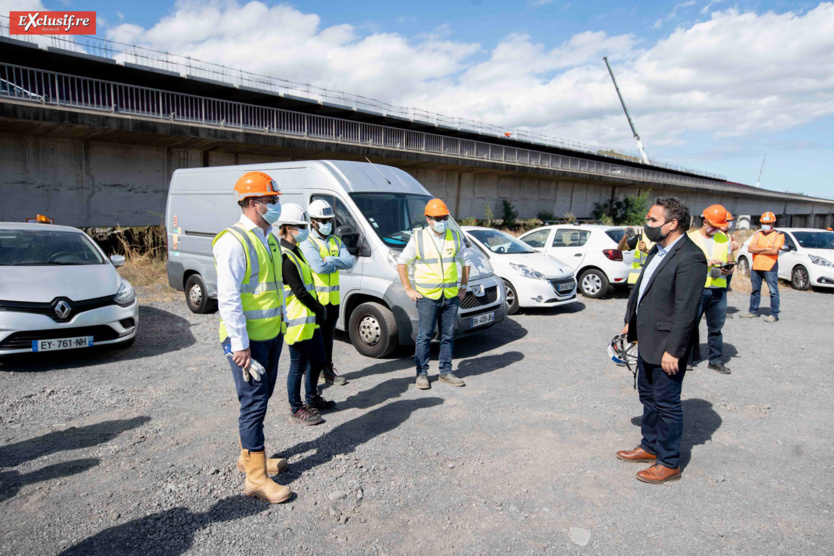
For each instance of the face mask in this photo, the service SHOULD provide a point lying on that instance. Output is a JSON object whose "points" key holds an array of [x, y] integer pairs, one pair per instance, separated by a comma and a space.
{"points": [[439, 226], [767, 227], [272, 214], [655, 233], [302, 235], [711, 231], [325, 228]]}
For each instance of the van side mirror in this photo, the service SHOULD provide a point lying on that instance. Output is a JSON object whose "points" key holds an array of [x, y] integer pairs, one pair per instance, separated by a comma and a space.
{"points": [[354, 242]]}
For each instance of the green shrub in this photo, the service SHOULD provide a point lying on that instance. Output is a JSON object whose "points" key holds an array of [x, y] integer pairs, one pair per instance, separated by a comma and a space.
{"points": [[508, 214]]}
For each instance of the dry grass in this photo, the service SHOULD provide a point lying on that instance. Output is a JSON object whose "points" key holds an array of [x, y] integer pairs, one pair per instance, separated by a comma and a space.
{"points": [[145, 255]]}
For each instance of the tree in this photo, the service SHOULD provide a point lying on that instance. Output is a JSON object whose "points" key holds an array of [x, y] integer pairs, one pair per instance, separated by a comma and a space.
{"points": [[508, 214], [630, 211]]}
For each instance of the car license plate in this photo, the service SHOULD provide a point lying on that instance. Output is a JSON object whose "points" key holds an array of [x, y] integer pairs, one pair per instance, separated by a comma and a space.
{"points": [[483, 319], [62, 343], [565, 287]]}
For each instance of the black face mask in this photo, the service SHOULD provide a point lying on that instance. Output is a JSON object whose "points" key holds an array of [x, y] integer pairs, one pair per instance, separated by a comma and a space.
{"points": [[655, 233]]}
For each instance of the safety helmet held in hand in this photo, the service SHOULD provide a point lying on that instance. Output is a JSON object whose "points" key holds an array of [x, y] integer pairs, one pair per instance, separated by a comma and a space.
{"points": [[716, 216], [293, 214], [622, 352], [321, 209], [255, 184], [436, 207], [768, 218]]}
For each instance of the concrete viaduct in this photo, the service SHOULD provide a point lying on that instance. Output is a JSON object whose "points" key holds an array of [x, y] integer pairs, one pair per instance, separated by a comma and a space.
{"points": [[92, 142]]}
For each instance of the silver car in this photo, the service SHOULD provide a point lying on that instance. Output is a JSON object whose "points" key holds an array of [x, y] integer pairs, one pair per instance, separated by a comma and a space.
{"points": [[59, 291]]}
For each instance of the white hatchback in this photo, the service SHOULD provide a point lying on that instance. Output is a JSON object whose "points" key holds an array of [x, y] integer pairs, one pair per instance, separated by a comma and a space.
{"points": [[59, 291], [589, 250], [806, 260], [530, 278]]}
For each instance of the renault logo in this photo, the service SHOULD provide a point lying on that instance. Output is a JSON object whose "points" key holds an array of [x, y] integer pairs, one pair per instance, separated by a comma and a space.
{"points": [[62, 309], [478, 290]]}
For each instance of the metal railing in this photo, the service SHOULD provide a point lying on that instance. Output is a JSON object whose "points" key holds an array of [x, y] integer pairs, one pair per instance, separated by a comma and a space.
{"points": [[187, 66], [73, 92]]}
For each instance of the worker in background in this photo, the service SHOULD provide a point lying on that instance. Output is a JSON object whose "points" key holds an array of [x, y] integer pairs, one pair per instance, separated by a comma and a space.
{"points": [[326, 255], [716, 247], [305, 315], [250, 300], [733, 246], [634, 239], [436, 252], [765, 247]]}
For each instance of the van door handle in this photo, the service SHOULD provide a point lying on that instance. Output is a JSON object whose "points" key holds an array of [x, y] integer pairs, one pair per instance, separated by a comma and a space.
{"points": [[577, 255]]}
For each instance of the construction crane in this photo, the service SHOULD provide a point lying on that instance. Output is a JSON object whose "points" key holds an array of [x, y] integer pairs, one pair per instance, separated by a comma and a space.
{"points": [[759, 181], [643, 156]]}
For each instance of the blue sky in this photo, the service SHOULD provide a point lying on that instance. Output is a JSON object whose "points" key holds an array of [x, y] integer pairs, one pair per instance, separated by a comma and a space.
{"points": [[710, 85]]}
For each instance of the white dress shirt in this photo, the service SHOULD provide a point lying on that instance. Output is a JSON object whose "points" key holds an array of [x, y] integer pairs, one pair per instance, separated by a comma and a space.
{"points": [[652, 266], [231, 270]]}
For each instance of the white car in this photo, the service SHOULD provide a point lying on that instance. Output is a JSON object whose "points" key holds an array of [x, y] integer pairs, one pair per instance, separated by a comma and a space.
{"points": [[589, 250], [530, 278], [806, 260], [59, 291]]}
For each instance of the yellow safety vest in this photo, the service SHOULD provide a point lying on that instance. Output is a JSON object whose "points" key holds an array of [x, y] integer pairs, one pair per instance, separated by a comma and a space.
{"points": [[436, 273], [327, 285], [262, 290], [720, 251], [639, 260], [302, 320]]}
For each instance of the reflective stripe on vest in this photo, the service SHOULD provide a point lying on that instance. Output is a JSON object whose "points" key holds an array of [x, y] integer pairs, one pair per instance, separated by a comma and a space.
{"points": [[301, 320], [327, 285], [720, 250], [436, 273], [262, 290], [639, 260]]}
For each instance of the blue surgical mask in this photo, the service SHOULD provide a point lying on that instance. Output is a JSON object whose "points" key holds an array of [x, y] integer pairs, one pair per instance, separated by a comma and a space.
{"points": [[325, 228], [302, 235], [439, 226], [273, 213]]}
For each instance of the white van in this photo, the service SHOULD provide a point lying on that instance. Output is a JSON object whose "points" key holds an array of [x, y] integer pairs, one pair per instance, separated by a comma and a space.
{"points": [[377, 208]]}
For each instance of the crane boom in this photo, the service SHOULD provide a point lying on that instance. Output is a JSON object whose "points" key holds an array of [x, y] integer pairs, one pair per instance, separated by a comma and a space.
{"points": [[643, 156], [759, 181]]}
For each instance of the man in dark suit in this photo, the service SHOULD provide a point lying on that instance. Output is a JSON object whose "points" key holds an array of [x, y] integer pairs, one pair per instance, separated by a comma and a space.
{"points": [[662, 316]]}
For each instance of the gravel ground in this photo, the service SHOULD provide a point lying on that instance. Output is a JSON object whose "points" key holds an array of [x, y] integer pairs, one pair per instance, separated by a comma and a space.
{"points": [[133, 452]]}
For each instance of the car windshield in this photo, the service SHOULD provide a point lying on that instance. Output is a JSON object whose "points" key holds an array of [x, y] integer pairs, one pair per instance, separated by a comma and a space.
{"points": [[47, 247], [500, 243], [394, 216], [815, 240]]}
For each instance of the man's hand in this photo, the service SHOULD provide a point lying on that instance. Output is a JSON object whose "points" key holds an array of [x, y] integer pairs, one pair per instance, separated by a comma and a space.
{"points": [[641, 245], [625, 329], [413, 294], [461, 293], [715, 262], [669, 364], [242, 358]]}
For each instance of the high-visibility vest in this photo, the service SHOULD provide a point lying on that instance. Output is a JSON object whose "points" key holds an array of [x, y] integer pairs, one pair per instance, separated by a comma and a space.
{"points": [[327, 285], [639, 260], [720, 251], [262, 290], [436, 272], [301, 320]]}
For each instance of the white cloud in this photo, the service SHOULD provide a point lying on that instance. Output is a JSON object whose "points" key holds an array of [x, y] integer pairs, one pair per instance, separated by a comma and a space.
{"points": [[7, 6], [538, 3]]}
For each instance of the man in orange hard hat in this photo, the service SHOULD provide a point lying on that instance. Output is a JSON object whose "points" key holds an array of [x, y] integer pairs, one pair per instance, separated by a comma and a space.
{"points": [[436, 251], [250, 298], [716, 247], [765, 247]]}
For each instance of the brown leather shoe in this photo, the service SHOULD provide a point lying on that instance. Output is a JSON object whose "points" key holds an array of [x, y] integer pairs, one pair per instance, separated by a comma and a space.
{"points": [[637, 455], [658, 474]]}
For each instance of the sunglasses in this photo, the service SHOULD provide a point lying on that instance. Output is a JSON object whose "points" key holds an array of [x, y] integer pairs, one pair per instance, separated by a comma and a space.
{"points": [[300, 226], [440, 218], [272, 200]]}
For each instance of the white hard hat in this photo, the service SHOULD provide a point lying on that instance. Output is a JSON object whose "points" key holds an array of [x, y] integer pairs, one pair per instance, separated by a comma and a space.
{"points": [[292, 213], [321, 209]]}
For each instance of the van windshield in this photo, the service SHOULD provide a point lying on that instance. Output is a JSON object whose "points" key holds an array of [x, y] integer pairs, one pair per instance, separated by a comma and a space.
{"points": [[394, 216]]}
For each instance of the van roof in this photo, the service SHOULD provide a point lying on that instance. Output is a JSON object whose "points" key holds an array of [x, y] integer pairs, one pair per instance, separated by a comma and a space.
{"points": [[343, 175]]}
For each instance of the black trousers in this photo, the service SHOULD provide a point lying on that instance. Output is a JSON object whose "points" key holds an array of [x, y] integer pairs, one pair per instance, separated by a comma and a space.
{"points": [[328, 331]]}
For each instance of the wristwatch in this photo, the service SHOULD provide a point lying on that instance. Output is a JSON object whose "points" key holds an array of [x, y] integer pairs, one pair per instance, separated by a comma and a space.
{"points": [[464, 286]]}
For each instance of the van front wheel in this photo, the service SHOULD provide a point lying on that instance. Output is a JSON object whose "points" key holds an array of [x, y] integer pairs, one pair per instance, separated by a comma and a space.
{"points": [[373, 330], [196, 297]]}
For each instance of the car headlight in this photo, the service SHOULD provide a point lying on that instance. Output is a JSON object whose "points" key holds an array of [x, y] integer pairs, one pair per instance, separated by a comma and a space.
{"points": [[820, 261], [527, 272], [126, 294]]}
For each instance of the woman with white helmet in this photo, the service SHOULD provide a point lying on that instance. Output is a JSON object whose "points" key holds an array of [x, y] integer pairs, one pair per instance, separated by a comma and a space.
{"points": [[304, 316]]}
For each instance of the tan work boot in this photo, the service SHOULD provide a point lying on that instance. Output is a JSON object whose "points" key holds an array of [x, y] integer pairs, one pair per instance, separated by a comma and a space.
{"points": [[273, 465], [258, 484]]}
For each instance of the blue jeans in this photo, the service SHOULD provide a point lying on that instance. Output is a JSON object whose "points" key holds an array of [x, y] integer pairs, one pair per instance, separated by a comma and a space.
{"points": [[254, 396], [714, 305], [772, 279], [662, 425], [429, 310], [305, 355]]}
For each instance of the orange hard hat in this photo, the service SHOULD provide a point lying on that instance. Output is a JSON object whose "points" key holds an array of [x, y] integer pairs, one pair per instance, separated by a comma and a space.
{"points": [[730, 216], [436, 207], [768, 218], [255, 184], [716, 216]]}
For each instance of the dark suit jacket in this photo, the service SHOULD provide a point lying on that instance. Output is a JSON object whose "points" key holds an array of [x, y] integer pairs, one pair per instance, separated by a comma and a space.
{"points": [[667, 320]]}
